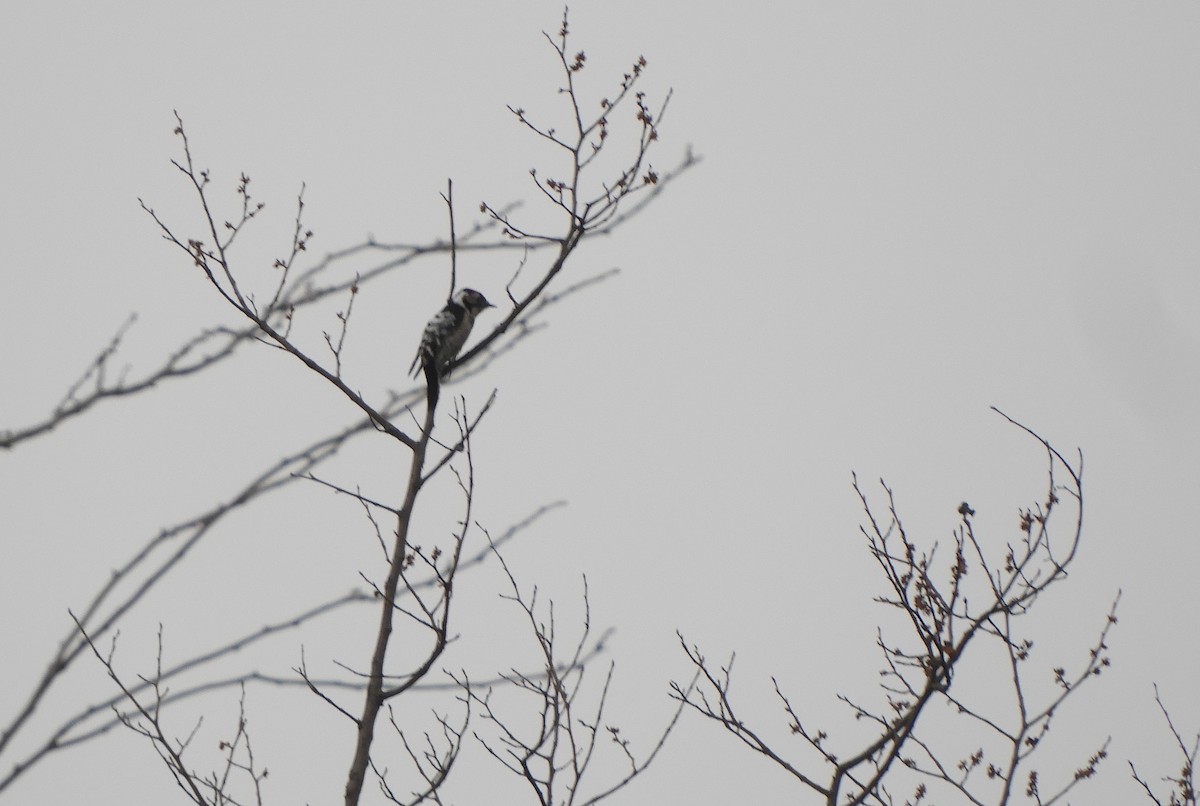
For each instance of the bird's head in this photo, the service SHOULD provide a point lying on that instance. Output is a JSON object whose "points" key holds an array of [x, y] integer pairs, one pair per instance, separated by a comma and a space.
{"points": [[472, 300]]}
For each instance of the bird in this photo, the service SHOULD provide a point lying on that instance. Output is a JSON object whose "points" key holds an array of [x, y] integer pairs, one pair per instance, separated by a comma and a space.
{"points": [[446, 334]]}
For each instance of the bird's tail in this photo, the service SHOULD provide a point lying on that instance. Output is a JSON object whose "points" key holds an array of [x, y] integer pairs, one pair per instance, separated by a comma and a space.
{"points": [[432, 383]]}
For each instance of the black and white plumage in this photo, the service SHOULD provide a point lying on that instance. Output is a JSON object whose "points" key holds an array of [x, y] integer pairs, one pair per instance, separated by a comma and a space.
{"points": [[447, 332]]}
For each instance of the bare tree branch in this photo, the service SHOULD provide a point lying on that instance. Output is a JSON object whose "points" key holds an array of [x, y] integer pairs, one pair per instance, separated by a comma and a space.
{"points": [[1183, 790], [555, 756], [946, 617]]}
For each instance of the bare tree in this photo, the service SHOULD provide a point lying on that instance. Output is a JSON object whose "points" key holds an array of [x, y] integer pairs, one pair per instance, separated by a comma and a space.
{"points": [[547, 722], [608, 179], [946, 619]]}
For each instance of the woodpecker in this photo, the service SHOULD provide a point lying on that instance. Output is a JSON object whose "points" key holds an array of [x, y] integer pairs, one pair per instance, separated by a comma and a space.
{"points": [[447, 332]]}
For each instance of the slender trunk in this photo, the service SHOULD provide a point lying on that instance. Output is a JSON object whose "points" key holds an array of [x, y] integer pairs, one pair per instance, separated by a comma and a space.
{"points": [[373, 701]]}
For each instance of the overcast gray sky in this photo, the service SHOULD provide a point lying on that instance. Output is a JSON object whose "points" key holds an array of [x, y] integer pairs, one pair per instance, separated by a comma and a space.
{"points": [[905, 214]]}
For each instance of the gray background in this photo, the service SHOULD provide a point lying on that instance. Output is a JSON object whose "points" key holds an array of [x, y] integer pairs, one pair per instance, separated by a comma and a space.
{"points": [[905, 214]]}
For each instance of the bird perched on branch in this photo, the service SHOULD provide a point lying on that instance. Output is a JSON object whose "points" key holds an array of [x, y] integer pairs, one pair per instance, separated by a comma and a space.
{"points": [[446, 334]]}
